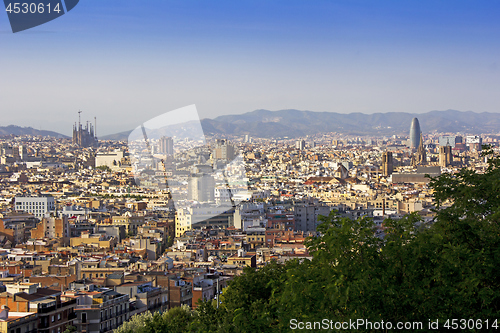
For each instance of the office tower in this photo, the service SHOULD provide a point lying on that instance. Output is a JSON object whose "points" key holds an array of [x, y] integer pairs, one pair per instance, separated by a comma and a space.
{"points": [[414, 134], [445, 156], [15, 153], [166, 145], [201, 187], [474, 142], [449, 141], [23, 153], [387, 163], [300, 144], [223, 150]]}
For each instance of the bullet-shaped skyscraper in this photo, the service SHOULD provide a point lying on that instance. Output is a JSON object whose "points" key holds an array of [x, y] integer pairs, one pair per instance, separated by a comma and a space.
{"points": [[414, 133]]}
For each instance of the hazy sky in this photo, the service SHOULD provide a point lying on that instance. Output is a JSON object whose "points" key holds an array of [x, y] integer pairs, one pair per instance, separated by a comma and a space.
{"points": [[126, 61]]}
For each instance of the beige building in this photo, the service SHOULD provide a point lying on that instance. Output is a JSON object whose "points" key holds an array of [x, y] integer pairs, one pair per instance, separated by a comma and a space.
{"points": [[17, 321], [95, 240], [130, 221]]}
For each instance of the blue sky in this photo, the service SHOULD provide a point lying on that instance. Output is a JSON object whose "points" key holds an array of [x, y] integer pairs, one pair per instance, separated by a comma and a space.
{"points": [[126, 61]]}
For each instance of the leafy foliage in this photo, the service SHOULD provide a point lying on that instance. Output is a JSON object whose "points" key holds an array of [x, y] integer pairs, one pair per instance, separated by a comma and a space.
{"points": [[70, 329], [136, 324], [176, 320], [104, 168], [418, 271]]}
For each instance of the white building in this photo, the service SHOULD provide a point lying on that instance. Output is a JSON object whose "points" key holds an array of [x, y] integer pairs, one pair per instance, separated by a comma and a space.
{"points": [[37, 206], [109, 159]]}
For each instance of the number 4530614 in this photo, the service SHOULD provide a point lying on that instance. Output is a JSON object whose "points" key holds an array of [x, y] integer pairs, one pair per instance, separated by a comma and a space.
{"points": [[32, 8], [470, 324]]}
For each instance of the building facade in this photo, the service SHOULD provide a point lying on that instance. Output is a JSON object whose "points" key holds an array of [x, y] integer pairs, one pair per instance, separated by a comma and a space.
{"points": [[37, 206]]}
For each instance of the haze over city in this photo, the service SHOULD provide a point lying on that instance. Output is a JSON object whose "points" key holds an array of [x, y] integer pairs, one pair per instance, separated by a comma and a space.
{"points": [[126, 62]]}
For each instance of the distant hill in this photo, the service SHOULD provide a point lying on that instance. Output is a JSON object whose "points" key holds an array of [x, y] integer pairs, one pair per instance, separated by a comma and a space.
{"points": [[122, 136], [295, 123], [17, 130]]}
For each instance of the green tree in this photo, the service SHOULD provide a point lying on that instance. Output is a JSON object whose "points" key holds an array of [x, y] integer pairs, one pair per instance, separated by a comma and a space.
{"points": [[250, 303], [170, 241], [104, 168], [136, 324], [70, 329], [208, 317], [175, 320]]}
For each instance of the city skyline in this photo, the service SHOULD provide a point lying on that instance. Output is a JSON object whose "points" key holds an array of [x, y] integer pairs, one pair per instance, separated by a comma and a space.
{"points": [[127, 63]]}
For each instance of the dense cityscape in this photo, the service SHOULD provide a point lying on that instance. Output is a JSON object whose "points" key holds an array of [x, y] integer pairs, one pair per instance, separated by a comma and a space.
{"points": [[87, 240]]}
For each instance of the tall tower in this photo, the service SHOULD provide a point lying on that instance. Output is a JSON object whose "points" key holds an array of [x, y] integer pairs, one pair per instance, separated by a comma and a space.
{"points": [[414, 134], [445, 156], [223, 150], [387, 163], [300, 144], [166, 145], [201, 187], [84, 137], [421, 157]]}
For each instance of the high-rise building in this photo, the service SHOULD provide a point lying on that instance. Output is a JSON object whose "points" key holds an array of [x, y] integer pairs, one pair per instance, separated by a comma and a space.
{"points": [[387, 163], [223, 150], [414, 134], [445, 156], [450, 140], [201, 187], [474, 142], [300, 144], [166, 145]]}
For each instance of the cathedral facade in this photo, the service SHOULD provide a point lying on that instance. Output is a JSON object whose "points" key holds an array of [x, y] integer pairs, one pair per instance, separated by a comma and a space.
{"points": [[84, 136]]}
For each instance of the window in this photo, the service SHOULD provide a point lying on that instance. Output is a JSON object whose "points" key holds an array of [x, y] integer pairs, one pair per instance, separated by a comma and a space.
{"points": [[58, 316], [53, 318], [84, 317]]}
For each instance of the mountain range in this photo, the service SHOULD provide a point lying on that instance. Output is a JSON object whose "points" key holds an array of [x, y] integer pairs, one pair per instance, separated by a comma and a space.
{"points": [[17, 130], [295, 123]]}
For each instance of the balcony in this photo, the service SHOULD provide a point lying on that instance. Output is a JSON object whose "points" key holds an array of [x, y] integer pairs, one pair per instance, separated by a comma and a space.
{"points": [[44, 324], [55, 307], [47, 309]]}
